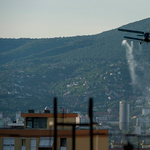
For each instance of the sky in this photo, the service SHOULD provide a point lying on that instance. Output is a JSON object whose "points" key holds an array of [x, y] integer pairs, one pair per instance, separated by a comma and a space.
{"points": [[65, 18]]}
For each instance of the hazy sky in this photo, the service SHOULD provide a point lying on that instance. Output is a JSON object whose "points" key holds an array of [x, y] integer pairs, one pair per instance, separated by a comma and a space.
{"points": [[58, 18]]}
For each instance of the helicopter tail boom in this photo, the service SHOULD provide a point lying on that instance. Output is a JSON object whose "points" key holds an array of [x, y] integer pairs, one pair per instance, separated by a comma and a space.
{"points": [[133, 38]]}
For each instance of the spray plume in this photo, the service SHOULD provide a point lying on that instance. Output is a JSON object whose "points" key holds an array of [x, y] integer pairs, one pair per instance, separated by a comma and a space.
{"points": [[131, 61], [137, 69]]}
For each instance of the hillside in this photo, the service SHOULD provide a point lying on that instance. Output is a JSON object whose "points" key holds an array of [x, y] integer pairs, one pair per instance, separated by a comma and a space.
{"points": [[33, 71]]}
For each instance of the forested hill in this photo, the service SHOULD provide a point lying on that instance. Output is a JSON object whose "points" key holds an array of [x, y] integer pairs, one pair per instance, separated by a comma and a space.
{"points": [[33, 71]]}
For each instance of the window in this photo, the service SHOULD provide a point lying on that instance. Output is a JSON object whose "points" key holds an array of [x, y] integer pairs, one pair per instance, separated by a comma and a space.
{"points": [[8, 143], [40, 122], [45, 148], [33, 143], [23, 144], [29, 123], [63, 142], [46, 143], [36, 122], [36, 125]]}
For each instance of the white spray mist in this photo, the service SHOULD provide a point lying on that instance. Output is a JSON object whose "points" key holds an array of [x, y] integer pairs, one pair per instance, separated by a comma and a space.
{"points": [[140, 79], [131, 61]]}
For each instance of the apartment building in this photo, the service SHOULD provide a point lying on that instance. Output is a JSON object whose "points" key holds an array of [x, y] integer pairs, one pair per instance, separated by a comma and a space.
{"points": [[38, 134]]}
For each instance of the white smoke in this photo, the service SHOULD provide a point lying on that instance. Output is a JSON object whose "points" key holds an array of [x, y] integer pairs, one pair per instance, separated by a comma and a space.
{"points": [[132, 63], [138, 68]]}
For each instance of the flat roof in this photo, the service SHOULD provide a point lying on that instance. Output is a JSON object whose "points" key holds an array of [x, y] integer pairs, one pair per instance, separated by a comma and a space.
{"points": [[50, 133], [16, 124], [49, 115]]}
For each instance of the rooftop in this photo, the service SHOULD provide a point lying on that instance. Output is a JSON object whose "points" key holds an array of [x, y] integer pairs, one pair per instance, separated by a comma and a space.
{"points": [[49, 115]]}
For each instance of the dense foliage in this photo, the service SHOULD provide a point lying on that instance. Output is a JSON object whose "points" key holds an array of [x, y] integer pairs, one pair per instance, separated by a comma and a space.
{"points": [[33, 71]]}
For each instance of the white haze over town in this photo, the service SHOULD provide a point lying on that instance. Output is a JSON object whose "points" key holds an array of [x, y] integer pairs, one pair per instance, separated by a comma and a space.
{"points": [[63, 18]]}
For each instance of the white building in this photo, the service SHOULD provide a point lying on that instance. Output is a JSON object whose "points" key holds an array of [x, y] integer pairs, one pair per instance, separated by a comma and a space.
{"points": [[143, 122], [145, 111], [124, 115], [137, 129]]}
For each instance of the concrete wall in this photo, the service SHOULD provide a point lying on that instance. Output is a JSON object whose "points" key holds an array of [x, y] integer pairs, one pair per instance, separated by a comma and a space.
{"points": [[17, 143], [27, 143], [69, 144], [50, 123], [58, 143], [1, 143], [98, 143], [81, 143], [37, 143]]}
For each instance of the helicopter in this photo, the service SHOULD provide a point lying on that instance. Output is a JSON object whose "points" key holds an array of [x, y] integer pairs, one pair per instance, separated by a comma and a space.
{"points": [[146, 35]]}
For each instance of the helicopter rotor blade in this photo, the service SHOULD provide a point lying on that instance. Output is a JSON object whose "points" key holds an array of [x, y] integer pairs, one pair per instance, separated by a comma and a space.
{"points": [[134, 31]]}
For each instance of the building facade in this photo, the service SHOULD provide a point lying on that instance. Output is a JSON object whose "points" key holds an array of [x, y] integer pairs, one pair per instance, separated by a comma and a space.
{"points": [[124, 110], [38, 134]]}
